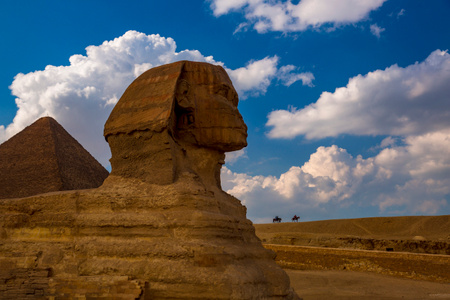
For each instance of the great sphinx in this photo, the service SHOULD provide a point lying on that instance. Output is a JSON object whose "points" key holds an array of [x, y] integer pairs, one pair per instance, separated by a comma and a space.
{"points": [[160, 226]]}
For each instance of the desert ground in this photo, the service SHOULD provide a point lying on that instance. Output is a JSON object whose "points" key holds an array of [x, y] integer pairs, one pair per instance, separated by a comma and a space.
{"points": [[370, 258], [419, 234], [343, 285]]}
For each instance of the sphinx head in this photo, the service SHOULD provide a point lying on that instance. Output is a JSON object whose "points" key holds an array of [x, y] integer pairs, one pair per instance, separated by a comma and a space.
{"points": [[175, 118], [206, 111]]}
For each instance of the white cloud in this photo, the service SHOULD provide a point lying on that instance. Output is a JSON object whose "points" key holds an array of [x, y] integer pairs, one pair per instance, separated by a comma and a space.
{"points": [[411, 172], [240, 184], [256, 76], [389, 141], [425, 156], [396, 101], [81, 95], [224, 6], [409, 179], [243, 27], [288, 17], [376, 30], [287, 78], [233, 157]]}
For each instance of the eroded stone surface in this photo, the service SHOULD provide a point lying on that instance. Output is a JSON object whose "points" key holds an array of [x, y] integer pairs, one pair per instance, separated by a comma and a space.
{"points": [[174, 119], [160, 227]]}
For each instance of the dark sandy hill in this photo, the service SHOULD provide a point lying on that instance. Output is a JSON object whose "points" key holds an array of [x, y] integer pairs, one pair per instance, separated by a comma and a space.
{"points": [[337, 244], [422, 234], [44, 157]]}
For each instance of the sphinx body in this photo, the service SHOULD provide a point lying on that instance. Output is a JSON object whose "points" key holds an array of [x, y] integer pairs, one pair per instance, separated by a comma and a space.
{"points": [[160, 227]]}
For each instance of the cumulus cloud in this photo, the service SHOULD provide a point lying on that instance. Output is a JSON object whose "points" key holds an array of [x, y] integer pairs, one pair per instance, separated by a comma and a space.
{"points": [[233, 157], [410, 174], [409, 179], [285, 16], [256, 76], [221, 7], [257, 73], [81, 95], [396, 101], [331, 174], [376, 30]]}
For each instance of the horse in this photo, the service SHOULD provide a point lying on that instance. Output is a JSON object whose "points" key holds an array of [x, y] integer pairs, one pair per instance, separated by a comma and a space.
{"points": [[277, 220], [295, 218]]}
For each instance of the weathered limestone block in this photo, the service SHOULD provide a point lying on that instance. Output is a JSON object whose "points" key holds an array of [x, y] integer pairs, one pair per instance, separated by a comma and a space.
{"points": [[160, 226]]}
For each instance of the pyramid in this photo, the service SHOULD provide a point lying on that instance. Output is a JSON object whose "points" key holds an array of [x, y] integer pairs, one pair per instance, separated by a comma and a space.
{"points": [[43, 158]]}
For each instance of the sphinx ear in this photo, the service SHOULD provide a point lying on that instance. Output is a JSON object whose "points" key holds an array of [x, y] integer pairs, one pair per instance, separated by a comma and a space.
{"points": [[182, 95], [185, 106]]}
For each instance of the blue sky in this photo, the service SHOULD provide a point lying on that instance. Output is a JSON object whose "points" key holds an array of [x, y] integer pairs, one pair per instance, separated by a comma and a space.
{"points": [[347, 102]]}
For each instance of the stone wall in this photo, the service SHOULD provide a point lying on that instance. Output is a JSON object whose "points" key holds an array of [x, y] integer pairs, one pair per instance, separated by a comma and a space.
{"points": [[407, 265]]}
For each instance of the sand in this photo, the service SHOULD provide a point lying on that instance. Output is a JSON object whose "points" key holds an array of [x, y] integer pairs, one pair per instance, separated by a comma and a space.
{"points": [[418, 234], [340, 285], [429, 227], [326, 251]]}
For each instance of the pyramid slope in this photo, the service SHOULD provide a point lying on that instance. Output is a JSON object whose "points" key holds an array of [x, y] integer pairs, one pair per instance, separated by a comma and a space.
{"points": [[44, 157]]}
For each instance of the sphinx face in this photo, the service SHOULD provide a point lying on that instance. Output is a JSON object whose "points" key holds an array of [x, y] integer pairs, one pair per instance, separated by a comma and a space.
{"points": [[206, 110], [168, 121]]}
